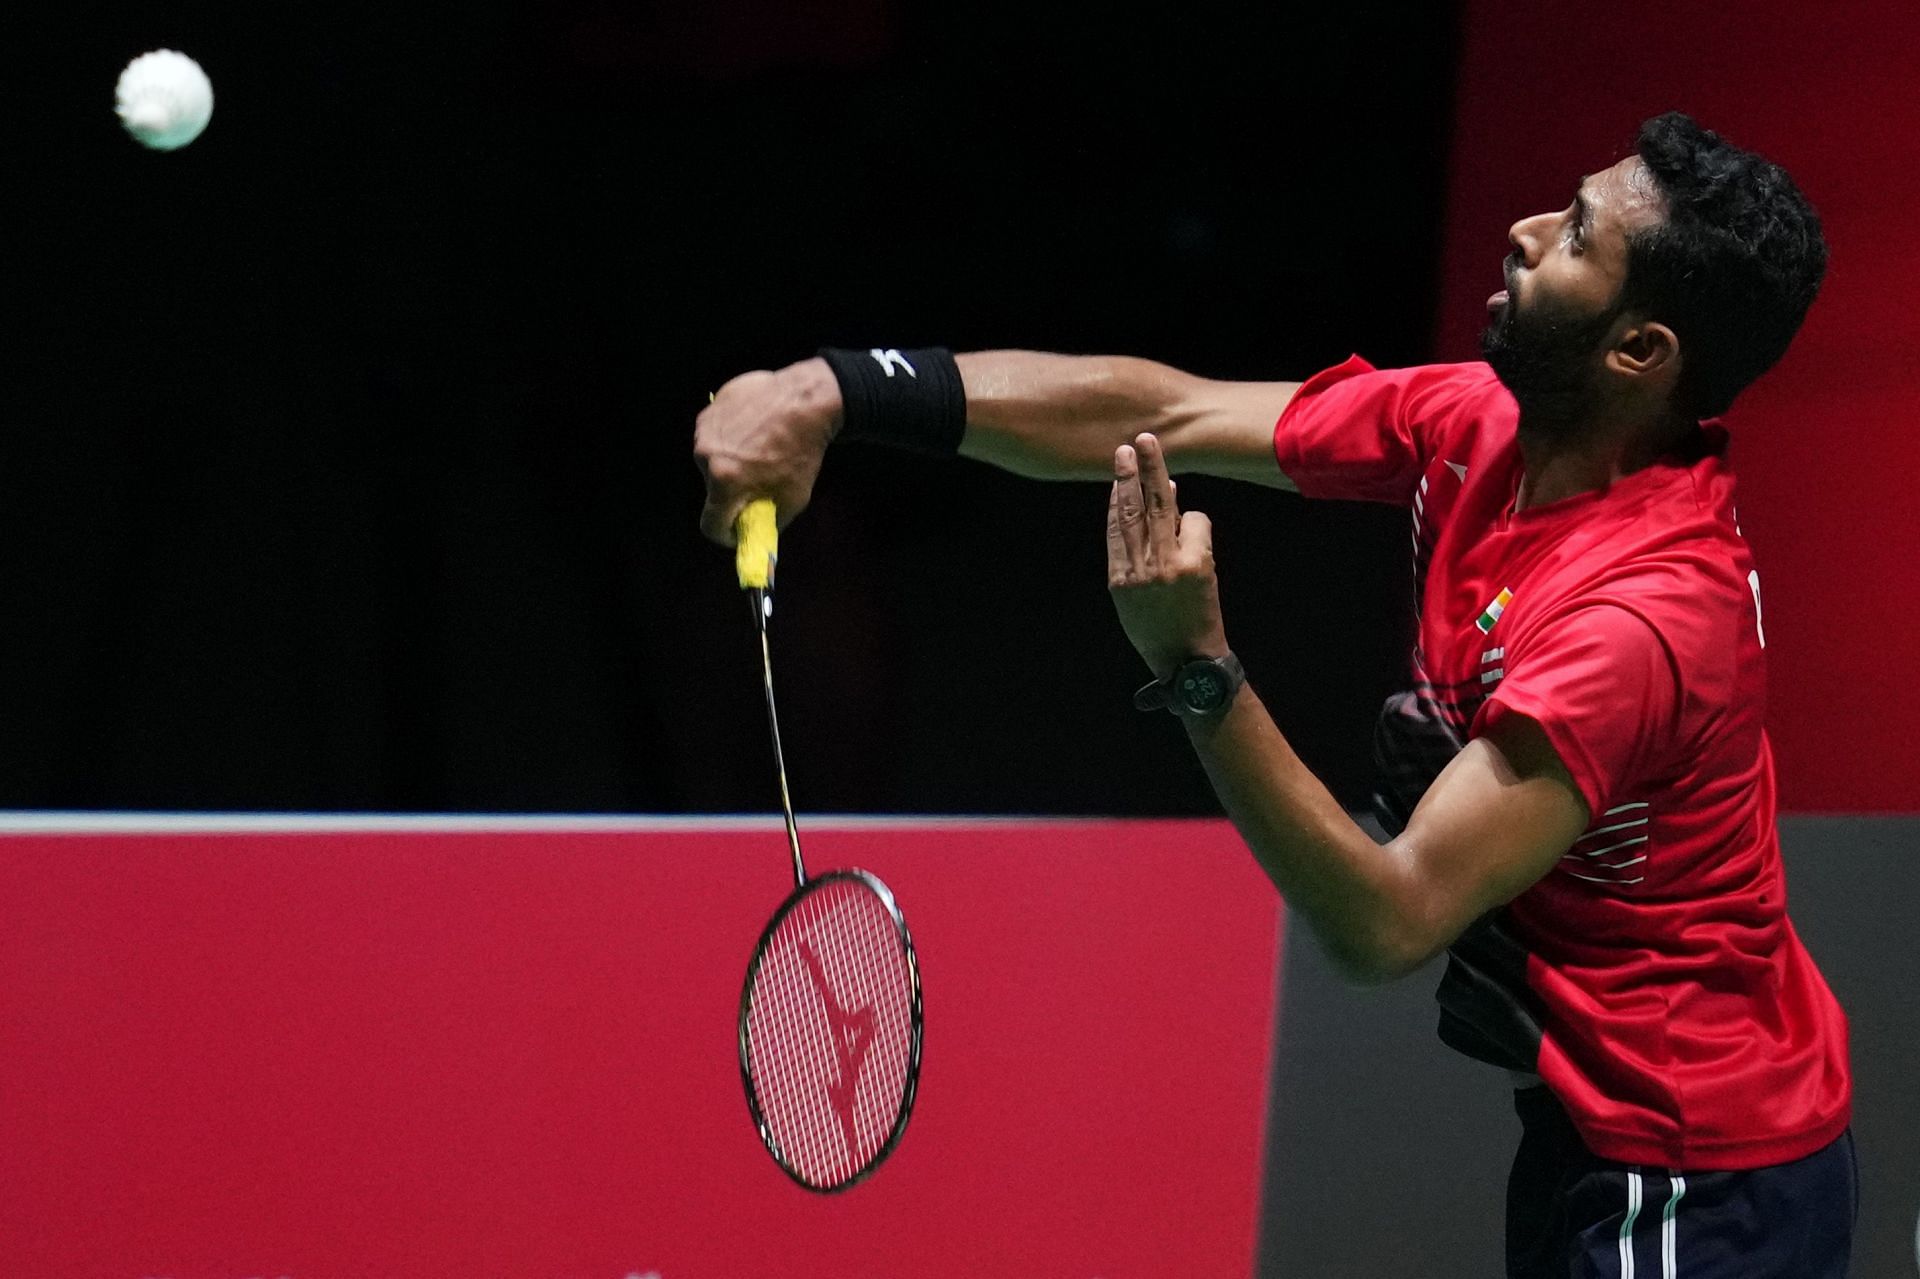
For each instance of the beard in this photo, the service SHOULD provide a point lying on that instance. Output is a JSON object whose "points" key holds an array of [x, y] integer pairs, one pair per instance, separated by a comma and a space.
{"points": [[1544, 357]]}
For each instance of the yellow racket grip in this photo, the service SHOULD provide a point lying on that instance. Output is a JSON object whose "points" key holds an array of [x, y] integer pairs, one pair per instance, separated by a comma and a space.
{"points": [[757, 545]]}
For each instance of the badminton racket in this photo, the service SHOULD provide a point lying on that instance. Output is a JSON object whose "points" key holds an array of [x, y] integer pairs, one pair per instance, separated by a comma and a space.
{"points": [[830, 1016]]}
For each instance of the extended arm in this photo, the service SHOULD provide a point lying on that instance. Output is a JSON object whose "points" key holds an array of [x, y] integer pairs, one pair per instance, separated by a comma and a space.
{"points": [[1055, 417]]}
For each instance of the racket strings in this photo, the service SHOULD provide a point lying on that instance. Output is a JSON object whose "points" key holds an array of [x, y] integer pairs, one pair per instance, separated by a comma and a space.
{"points": [[830, 1032]]}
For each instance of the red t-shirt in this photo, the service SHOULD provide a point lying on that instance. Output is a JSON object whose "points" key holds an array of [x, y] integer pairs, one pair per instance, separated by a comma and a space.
{"points": [[1652, 978]]}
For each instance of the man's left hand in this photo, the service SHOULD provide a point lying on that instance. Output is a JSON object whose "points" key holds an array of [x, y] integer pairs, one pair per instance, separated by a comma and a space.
{"points": [[1160, 564]]}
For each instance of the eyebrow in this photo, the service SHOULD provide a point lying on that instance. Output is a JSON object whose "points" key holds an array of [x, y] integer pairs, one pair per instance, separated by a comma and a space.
{"points": [[1582, 213]]}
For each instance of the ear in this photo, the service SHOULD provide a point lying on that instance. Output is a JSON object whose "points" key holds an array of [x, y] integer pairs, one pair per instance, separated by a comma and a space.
{"points": [[1646, 349]]}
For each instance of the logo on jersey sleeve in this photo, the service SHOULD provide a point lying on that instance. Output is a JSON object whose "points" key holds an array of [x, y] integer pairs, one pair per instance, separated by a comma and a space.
{"points": [[1492, 614]]}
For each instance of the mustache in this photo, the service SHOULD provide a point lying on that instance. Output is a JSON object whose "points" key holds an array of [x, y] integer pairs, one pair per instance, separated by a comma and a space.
{"points": [[1509, 267]]}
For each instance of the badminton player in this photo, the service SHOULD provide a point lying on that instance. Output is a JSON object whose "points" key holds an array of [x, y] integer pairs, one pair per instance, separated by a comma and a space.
{"points": [[1576, 783]]}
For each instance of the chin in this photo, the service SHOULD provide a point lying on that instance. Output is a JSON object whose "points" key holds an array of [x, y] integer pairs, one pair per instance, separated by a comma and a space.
{"points": [[1496, 340]]}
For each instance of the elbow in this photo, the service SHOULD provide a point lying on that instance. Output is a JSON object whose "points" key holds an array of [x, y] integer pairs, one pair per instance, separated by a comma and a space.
{"points": [[1371, 969], [1380, 955], [1403, 924]]}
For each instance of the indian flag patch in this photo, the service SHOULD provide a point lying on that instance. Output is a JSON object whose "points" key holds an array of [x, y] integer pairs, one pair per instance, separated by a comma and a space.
{"points": [[1486, 620]]}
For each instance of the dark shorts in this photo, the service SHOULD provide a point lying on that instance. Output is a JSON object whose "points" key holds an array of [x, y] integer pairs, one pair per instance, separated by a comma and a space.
{"points": [[1573, 1215]]}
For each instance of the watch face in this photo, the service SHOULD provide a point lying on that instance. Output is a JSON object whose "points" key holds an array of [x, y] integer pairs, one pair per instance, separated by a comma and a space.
{"points": [[1203, 687]]}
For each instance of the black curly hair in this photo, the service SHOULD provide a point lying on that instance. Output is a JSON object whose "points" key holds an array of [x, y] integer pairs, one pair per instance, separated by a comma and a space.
{"points": [[1731, 269]]}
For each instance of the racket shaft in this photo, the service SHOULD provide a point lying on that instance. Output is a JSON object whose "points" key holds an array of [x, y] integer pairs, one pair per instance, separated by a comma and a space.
{"points": [[773, 726]]}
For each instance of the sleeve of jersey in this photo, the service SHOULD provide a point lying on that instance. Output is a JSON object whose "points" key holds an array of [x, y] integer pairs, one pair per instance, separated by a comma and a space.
{"points": [[1604, 687], [1366, 434]]}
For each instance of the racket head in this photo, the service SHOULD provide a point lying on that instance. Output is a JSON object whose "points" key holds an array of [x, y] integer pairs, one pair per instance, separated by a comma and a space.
{"points": [[830, 1030]]}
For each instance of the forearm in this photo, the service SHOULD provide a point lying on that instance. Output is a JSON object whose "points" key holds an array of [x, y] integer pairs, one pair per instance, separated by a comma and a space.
{"points": [[1352, 892], [1059, 417]]}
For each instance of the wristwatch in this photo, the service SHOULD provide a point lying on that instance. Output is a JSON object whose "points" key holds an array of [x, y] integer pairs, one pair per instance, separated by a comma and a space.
{"points": [[1200, 689]]}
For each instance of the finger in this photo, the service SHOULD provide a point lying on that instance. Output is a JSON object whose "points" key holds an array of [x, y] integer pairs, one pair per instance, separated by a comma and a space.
{"points": [[718, 517], [1116, 544], [1196, 537], [725, 481], [1156, 490], [1129, 509]]}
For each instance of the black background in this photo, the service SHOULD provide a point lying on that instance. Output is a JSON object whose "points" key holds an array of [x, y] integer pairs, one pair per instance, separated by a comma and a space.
{"points": [[346, 454]]}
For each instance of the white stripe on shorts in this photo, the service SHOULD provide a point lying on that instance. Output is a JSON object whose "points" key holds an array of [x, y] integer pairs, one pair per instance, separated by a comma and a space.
{"points": [[1669, 1263], [1626, 1227]]}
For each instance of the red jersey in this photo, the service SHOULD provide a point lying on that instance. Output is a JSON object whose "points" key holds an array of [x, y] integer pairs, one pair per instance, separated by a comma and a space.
{"points": [[1652, 978]]}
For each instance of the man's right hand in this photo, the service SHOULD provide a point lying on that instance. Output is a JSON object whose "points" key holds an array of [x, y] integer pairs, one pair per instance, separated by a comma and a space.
{"points": [[764, 435]]}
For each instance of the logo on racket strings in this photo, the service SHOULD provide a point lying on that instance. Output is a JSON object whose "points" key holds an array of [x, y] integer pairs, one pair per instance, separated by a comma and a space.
{"points": [[852, 1035]]}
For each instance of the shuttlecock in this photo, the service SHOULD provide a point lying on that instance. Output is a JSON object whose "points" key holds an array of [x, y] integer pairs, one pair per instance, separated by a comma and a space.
{"points": [[164, 99]]}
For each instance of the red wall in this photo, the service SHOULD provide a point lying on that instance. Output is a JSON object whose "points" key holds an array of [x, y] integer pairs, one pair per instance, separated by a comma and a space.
{"points": [[511, 1051], [1828, 444]]}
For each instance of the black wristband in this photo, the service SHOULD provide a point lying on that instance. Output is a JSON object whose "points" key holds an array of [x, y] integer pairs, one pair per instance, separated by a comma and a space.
{"points": [[909, 399]]}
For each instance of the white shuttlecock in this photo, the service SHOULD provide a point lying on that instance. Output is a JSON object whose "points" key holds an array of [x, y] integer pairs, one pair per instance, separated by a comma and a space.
{"points": [[164, 99]]}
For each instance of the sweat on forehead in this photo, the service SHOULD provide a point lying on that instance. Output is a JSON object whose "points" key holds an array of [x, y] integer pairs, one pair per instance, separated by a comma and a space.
{"points": [[1630, 191]]}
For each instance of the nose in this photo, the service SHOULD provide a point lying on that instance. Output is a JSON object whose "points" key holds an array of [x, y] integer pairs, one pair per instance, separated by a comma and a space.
{"points": [[1528, 236]]}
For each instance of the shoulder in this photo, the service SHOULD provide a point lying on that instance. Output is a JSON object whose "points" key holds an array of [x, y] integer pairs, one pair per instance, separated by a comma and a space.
{"points": [[1417, 390], [1685, 611], [1597, 629], [1667, 551], [1687, 570]]}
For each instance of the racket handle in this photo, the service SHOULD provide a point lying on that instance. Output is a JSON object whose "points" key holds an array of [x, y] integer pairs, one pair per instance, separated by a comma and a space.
{"points": [[758, 545]]}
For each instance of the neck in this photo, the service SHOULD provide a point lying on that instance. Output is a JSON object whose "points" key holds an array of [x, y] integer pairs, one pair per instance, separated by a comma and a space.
{"points": [[1590, 455]]}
